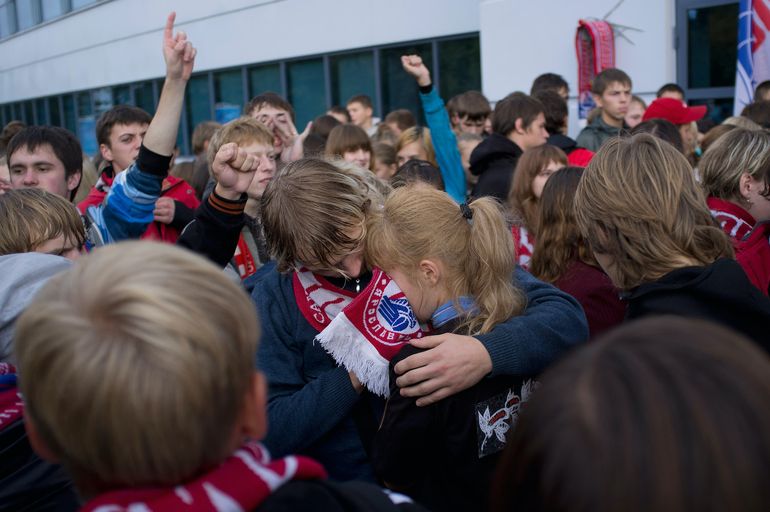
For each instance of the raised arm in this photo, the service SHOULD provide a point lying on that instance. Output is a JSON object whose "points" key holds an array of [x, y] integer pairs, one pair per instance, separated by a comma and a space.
{"points": [[444, 140]]}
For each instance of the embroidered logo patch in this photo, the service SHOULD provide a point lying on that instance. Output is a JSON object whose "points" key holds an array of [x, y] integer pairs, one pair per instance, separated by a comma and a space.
{"points": [[497, 415]]}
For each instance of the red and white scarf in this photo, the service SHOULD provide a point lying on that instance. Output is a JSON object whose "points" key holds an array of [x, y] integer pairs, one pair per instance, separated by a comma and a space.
{"points": [[595, 47], [735, 221], [11, 405], [363, 332], [242, 482], [524, 243]]}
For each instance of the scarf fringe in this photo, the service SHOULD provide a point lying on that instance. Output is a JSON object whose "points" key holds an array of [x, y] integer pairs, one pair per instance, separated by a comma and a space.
{"points": [[346, 345]]}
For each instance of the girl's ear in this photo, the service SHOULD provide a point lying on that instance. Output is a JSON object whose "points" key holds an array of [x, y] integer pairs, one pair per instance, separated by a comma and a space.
{"points": [[430, 271], [745, 186]]}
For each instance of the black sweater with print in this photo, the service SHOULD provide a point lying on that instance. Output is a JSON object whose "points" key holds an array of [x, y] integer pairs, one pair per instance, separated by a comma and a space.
{"points": [[444, 455]]}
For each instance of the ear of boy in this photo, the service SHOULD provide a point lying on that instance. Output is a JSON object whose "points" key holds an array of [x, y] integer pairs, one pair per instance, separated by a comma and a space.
{"points": [[252, 420]]}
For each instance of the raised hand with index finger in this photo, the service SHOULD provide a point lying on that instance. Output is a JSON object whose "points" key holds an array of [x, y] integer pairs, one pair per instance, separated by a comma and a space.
{"points": [[178, 52]]}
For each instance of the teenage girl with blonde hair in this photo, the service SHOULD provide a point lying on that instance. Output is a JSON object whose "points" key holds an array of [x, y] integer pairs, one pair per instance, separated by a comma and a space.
{"points": [[455, 265]]}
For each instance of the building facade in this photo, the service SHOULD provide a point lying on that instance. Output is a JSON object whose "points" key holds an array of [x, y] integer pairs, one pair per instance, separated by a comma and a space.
{"points": [[64, 62]]}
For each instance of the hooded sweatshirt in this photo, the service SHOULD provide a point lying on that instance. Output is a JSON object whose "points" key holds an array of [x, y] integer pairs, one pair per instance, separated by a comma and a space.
{"points": [[494, 161], [21, 277], [719, 292]]}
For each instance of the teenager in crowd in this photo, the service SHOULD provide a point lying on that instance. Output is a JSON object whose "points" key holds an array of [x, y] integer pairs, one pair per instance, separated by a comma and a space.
{"points": [[385, 165], [735, 174], [556, 119], [662, 129], [415, 143], [646, 219], [466, 143], [550, 82], [315, 143], [519, 125], [682, 116], [661, 414], [277, 114], [672, 91], [469, 113], [399, 120], [120, 132], [361, 111], [611, 91], [562, 256], [315, 216], [532, 172], [349, 142], [455, 266]]}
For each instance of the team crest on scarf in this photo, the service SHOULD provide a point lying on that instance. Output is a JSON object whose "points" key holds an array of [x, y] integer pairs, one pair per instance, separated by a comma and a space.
{"points": [[370, 330]]}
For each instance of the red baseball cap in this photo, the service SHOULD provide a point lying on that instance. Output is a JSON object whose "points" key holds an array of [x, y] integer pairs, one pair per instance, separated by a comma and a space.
{"points": [[673, 110]]}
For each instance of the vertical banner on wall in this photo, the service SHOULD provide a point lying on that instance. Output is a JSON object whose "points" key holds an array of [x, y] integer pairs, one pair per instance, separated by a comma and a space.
{"points": [[595, 47], [753, 65]]}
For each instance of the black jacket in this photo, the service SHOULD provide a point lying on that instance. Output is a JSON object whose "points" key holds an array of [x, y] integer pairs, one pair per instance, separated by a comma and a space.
{"points": [[719, 292], [566, 144], [327, 496], [444, 455], [494, 161]]}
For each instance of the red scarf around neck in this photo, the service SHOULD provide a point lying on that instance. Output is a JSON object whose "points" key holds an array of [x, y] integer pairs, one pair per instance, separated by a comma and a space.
{"points": [[242, 482]]}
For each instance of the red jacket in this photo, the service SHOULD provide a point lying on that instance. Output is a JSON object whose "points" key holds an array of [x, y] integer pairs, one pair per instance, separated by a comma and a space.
{"points": [[174, 188], [752, 249]]}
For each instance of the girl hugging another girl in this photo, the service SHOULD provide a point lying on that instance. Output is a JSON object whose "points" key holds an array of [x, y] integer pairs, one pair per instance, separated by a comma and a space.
{"points": [[455, 265]]}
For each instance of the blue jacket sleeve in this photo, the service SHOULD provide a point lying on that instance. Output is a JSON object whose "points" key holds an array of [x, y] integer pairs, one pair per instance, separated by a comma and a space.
{"points": [[552, 323], [445, 145], [301, 407], [128, 208]]}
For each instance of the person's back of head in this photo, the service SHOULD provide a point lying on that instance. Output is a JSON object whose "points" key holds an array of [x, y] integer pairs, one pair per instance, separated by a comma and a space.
{"points": [[9, 130], [314, 212], [201, 136], [137, 368], [550, 82], [762, 92], [403, 119], [713, 135], [323, 125], [670, 90], [662, 129], [34, 220], [559, 241], [268, 99], [742, 122], [734, 157], [417, 171], [340, 113], [556, 113], [661, 414], [639, 207], [759, 112]]}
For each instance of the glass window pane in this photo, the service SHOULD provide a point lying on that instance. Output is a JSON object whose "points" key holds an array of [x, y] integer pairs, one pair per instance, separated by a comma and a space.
{"points": [[228, 95], [265, 78], [26, 14], [52, 9], [198, 101], [102, 100], [84, 104], [459, 66], [29, 114], [307, 92], [718, 109], [7, 19], [352, 74], [68, 102], [122, 95], [7, 114], [77, 4], [53, 111], [145, 97], [712, 39], [40, 113], [400, 90]]}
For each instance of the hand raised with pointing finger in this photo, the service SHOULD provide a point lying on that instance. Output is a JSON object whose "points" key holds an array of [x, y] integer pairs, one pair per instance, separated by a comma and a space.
{"points": [[413, 65], [178, 52], [233, 168]]}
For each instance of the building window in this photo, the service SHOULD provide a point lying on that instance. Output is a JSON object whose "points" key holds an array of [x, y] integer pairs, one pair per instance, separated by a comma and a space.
{"points": [[27, 13], [77, 4], [352, 74], [144, 97], [707, 32], [7, 18], [459, 66], [228, 95], [307, 90], [265, 78], [53, 8], [198, 104], [122, 95], [54, 112], [399, 90], [68, 104], [40, 112]]}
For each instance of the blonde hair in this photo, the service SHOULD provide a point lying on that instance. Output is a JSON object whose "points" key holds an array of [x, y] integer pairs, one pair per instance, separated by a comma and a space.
{"points": [[243, 131], [639, 204], [521, 198], [135, 364], [313, 209], [419, 222], [421, 136], [737, 152], [32, 216]]}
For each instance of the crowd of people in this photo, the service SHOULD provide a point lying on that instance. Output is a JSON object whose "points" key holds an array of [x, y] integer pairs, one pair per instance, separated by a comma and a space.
{"points": [[474, 313]]}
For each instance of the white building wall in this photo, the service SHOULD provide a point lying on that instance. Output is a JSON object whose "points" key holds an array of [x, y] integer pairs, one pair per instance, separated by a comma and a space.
{"points": [[521, 39], [118, 41]]}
